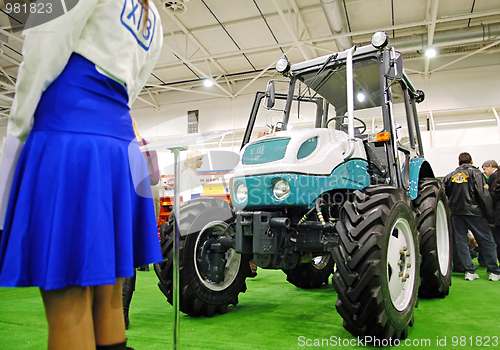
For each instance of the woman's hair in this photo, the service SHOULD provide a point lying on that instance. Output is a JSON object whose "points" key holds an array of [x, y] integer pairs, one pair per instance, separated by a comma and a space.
{"points": [[191, 160], [145, 4], [136, 130]]}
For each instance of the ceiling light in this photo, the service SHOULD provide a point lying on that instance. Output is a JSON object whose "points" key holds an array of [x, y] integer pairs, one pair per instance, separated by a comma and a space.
{"points": [[208, 82], [360, 96], [430, 52]]}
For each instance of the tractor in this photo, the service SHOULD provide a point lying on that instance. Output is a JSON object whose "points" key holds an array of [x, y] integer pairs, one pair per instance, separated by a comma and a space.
{"points": [[331, 180]]}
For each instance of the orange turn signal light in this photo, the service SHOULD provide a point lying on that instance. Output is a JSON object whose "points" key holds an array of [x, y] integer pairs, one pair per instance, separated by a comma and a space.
{"points": [[383, 136]]}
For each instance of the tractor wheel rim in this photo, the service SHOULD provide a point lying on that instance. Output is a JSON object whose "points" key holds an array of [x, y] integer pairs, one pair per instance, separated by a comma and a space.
{"points": [[442, 238], [233, 259], [401, 264]]}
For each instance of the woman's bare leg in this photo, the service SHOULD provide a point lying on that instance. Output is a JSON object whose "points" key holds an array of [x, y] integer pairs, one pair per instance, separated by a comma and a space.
{"points": [[69, 315], [109, 324]]}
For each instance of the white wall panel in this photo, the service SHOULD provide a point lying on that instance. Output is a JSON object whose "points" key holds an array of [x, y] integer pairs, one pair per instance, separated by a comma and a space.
{"points": [[467, 88]]}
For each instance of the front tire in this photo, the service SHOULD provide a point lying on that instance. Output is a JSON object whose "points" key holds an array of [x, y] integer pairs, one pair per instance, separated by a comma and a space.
{"points": [[434, 227], [202, 221], [377, 259]]}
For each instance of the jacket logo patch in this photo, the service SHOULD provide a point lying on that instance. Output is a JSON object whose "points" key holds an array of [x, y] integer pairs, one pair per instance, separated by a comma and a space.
{"points": [[133, 17], [459, 178]]}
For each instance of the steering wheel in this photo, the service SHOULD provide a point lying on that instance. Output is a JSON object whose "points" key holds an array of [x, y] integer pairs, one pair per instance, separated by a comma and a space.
{"points": [[360, 129]]}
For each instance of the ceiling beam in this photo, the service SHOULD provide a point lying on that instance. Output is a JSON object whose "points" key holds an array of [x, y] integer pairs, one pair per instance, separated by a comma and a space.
{"points": [[147, 102], [403, 26], [195, 68], [163, 87], [295, 40], [230, 87], [424, 23], [155, 100], [10, 35], [262, 73], [303, 23], [466, 56], [431, 15], [409, 70], [10, 59], [230, 54], [6, 98], [312, 42], [13, 86], [249, 20], [191, 37]]}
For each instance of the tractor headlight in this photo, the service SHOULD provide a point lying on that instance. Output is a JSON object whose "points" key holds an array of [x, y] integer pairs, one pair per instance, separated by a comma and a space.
{"points": [[281, 189], [241, 192]]}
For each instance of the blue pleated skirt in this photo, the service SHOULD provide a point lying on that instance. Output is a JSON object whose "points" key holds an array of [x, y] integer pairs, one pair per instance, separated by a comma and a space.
{"points": [[76, 216]]}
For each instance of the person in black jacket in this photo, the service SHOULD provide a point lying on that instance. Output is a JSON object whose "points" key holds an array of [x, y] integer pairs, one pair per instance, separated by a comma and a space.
{"points": [[490, 168], [496, 191], [472, 209]]}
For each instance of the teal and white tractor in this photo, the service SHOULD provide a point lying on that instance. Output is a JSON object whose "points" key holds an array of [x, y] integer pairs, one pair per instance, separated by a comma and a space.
{"points": [[332, 180]]}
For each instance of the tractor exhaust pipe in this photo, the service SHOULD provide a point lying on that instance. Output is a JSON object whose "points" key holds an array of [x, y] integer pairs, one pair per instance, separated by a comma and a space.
{"points": [[350, 103]]}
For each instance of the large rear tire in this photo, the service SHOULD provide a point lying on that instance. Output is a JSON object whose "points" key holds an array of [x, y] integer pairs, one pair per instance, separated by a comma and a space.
{"points": [[434, 227], [377, 259], [202, 221], [312, 274]]}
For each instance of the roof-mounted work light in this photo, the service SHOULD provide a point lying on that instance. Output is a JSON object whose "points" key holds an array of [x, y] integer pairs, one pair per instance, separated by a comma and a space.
{"points": [[380, 40], [282, 65]]}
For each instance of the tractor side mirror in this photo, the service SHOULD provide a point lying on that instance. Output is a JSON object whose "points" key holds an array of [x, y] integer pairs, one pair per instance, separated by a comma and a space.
{"points": [[270, 95], [393, 67]]}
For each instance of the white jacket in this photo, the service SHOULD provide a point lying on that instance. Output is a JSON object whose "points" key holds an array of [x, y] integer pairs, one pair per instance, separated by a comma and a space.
{"points": [[190, 184], [106, 32]]}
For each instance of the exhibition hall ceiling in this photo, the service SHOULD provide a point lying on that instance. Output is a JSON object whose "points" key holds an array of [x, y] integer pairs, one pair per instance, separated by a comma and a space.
{"points": [[235, 42]]}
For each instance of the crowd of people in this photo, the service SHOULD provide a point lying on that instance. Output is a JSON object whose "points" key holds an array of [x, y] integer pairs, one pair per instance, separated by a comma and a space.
{"points": [[473, 199]]}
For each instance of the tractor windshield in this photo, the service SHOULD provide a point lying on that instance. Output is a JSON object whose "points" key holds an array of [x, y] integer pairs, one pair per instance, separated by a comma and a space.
{"points": [[320, 101], [331, 84]]}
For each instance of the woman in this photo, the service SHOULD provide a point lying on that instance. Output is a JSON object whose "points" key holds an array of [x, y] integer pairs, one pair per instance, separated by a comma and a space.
{"points": [[75, 225], [190, 182]]}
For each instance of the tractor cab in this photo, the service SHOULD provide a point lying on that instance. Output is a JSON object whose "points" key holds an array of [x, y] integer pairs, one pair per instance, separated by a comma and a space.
{"points": [[362, 94]]}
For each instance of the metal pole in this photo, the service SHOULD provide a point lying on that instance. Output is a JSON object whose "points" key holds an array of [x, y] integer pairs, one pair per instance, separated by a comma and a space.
{"points": [[176, 152], [350, 103], [350, 92]]}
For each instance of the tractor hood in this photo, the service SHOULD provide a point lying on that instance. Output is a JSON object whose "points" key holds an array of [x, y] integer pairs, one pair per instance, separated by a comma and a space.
{"points": [[304, 151]]}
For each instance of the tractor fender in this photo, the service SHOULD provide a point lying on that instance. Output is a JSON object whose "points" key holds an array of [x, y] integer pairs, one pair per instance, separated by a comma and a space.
{"points": [[419, 168]]}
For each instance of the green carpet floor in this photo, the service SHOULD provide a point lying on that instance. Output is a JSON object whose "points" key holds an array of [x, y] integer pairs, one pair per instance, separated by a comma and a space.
{"points": [[272, 314]]}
